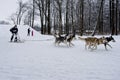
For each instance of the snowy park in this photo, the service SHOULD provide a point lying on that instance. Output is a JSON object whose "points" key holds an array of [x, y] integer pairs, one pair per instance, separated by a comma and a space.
{"points": [[37, 58], [60, 40]]}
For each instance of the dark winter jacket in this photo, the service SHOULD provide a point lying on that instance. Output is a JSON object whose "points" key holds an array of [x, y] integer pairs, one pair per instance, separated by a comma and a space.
{"points": [[14, 30]]}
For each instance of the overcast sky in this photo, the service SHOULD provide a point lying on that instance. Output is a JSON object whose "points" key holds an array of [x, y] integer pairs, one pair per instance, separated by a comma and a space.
{"points": [[7, 7]]}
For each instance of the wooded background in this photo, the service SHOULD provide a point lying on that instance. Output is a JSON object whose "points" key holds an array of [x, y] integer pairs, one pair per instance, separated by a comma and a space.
{"points": [[86, 17]]}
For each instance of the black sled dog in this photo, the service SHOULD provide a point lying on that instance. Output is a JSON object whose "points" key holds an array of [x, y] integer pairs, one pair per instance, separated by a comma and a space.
{"points": [[60, 39], [64, 39]]}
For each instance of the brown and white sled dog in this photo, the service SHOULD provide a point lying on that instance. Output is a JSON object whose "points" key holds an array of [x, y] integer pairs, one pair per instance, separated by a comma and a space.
{"points": [[64, 39], [92, 42]]}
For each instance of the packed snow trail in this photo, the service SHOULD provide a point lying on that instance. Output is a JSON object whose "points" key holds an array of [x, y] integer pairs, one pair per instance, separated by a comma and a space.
{"points": [[42, 60]]}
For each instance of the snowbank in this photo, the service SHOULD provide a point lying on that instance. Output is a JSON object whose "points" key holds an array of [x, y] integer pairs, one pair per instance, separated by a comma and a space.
{"points": [[39, 59]]}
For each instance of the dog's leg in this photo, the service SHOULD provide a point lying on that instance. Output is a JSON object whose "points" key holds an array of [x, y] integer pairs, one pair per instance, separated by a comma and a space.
{"points": [[89, 47], [95, 47], [65, 42], [68, 45], [92, 47], [86, 46], [59, 43], [109, 45], [105, 46], [55, 42], [71, 44]]}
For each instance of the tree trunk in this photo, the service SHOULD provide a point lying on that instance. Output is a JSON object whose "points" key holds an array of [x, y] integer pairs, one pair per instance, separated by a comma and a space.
{"points": [[82, 17], [98, 17], [119, 21], [60, 19], [72, 15], [49, 26], [101, 21], [116, 32], [112, 18], [67, 20], [33, 13]]}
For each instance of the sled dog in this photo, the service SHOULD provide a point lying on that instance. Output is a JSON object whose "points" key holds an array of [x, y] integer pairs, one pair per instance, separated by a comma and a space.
{"points": [[69, 39], [92, 42], [60, 39], [64, 39], [108, 39]]}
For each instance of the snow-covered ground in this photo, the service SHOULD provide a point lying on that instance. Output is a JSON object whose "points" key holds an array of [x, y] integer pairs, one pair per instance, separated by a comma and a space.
{"points": [[39, 59]]}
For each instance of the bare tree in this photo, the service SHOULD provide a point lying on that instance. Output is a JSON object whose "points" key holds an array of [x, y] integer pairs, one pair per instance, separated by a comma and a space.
{"points": [[117, 16], [13, 18], [69, 15], [28, 17], [98, 17], [112, 17], [21, 10], [49, 20], [41, 9], [33, 13], [82, 17], [58, 6]]}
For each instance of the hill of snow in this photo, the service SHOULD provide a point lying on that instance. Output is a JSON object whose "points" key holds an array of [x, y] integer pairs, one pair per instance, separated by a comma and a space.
{"points": [[39, 59]]}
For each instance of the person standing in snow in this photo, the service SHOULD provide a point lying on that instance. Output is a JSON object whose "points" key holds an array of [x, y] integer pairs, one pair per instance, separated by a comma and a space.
{"points": [[28, 32], [14, 31], [32, 33]]}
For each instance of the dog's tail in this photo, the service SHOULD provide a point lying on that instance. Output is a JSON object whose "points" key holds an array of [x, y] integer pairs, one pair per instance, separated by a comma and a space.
{"points": [[81, 38]]}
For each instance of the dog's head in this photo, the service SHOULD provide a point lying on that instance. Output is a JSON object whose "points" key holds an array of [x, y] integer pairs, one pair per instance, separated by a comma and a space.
{"points": [[112, 39], [70, 37]]}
